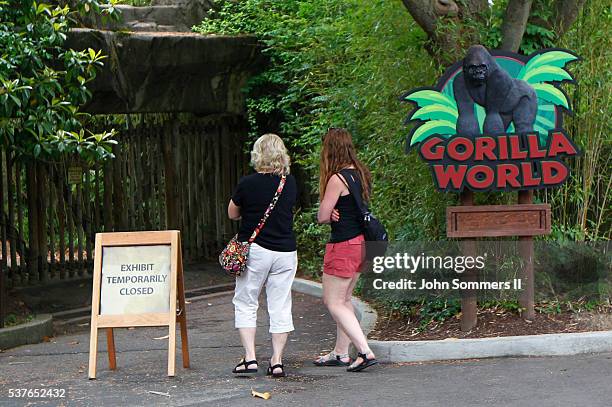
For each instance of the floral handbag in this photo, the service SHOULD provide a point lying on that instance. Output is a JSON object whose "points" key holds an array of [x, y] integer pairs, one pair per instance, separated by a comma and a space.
{"points": [[233, 258]]}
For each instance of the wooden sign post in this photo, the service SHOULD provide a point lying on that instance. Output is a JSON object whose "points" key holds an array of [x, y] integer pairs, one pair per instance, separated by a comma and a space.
{"points": [[137, 282], [524, 220]]}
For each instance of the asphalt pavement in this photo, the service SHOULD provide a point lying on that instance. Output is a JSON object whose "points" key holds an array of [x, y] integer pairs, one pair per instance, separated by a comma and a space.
{"points": [[140, 380]]}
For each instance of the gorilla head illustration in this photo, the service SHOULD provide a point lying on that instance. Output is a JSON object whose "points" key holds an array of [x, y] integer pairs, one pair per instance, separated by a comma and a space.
{"points": [[505, 99]]}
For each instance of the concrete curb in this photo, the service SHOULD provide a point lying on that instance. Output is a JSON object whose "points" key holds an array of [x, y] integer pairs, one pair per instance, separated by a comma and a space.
{"points": [[527, 345], [453, 349], [30, 332]]}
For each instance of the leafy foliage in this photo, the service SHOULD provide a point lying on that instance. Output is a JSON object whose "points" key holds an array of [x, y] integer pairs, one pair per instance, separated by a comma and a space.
{"points": [[581, 208], [344, 63], [538, 33], [43, 85], [340, 63]]}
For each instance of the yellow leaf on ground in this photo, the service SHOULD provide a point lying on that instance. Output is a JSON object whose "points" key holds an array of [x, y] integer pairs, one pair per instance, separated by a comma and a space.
{"points": [[266, 395]]}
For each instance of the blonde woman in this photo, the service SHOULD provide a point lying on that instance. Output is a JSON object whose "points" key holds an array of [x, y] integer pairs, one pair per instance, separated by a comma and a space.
{"points": [[272, 257]]}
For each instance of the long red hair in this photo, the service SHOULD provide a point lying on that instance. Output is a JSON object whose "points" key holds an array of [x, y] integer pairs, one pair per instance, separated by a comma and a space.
{"points": [[338, 152]]}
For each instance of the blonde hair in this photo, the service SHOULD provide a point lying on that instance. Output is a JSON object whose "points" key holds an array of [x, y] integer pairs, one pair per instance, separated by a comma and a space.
{"points": [[270, 155]]}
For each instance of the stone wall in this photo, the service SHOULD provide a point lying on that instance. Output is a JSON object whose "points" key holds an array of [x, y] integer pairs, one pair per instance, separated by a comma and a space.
{"points": [[169, 72]]}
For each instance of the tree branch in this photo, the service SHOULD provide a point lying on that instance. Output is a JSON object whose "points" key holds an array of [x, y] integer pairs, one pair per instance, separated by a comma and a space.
{"points": [[423, 14], [445, 23], [515, 22], [477, 7], [565, 14]]}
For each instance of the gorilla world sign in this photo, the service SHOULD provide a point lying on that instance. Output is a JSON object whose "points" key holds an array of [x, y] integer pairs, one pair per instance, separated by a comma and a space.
{"points": [[494, 122]]}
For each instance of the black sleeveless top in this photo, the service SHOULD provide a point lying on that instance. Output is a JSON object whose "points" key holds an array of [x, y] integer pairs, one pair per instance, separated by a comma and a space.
{"points": [[350, 223], [253, 195]]}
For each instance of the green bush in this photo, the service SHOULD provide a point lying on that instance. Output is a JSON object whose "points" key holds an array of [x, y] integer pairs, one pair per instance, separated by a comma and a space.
{"points": [[346, 62], [43, 84], [581, 208], [311, 239], [342, 63]]}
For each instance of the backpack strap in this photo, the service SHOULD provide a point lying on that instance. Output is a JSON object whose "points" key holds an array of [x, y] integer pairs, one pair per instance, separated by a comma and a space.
{"points": [[353, 187]]}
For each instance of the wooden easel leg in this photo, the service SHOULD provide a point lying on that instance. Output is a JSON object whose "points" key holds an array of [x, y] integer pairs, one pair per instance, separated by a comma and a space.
{"points": [[176, 243], [184, 343], [182, 317], [93, 350], [172, 349], [110, 344]]}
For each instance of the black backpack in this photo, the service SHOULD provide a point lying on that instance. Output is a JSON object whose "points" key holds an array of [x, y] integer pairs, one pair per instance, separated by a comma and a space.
{"points": [[373, 229]]}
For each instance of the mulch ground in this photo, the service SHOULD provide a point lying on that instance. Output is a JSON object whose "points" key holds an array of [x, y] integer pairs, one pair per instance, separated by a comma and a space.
{"points": [[492, 322]]}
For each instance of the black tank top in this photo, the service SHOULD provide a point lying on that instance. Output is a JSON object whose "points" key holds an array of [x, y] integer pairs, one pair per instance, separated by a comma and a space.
{"points": [[350, 223]]}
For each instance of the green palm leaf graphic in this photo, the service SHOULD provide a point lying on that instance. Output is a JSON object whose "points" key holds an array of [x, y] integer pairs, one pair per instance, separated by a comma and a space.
{"points": [[546, 73], [429, 96], [539, 72], [549, 93], [440, 127], [481, 114], [550, 58], [543, 121], [436, 112]]}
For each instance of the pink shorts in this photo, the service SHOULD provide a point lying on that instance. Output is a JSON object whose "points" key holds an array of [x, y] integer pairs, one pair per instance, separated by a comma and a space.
{"points": [[344, 259]]}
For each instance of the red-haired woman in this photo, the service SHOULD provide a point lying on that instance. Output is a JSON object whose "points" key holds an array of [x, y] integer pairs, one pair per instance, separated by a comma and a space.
{"points": [[344, 253]]}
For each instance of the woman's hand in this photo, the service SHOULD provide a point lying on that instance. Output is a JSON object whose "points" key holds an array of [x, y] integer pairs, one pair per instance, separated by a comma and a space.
{"points": [[335, 216]]}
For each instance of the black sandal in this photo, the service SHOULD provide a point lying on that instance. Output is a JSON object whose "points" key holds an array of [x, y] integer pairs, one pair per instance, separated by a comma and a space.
{"points": [[277, 366], [246, 369], [334, 359], [365, 362]]}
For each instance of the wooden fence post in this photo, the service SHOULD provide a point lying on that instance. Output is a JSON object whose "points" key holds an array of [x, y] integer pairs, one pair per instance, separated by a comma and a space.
{"points": [[41, 224], [11, 229], [32, 221], [118, 195], [3, 221], [19, 204], [62, 221], [170, 178]]}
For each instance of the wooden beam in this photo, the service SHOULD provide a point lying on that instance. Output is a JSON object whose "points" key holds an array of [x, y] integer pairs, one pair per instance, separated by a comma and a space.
{"points": [[469, 301], [527, 300], [498, 220]]}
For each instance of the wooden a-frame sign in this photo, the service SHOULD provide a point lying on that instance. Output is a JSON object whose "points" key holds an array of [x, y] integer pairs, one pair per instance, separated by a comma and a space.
{"points": [[138, 282]]}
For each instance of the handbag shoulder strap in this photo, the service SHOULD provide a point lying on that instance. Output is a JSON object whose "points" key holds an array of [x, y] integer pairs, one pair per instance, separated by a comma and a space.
{"points": [[352, 186], [269, 209]]}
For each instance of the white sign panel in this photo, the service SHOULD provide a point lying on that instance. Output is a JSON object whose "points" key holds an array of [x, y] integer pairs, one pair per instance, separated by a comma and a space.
{"points": [[135, 280]]}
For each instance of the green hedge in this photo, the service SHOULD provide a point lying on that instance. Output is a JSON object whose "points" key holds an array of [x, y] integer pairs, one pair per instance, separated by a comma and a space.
{"points": [[345, 63]]}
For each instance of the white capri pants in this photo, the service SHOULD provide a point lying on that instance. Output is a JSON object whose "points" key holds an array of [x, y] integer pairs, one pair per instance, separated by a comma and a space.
{"points": [[276, 270]]}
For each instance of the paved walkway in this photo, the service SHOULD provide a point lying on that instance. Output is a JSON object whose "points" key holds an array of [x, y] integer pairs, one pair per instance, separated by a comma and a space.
{"points": [[215, 348]]}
